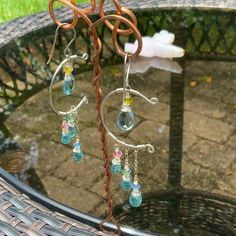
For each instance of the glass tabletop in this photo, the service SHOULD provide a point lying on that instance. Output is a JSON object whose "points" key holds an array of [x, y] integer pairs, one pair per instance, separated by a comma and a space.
{"points": [[192, 129]]}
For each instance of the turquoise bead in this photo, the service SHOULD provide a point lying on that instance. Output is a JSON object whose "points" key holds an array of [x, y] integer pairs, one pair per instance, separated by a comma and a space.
{"points": [[116, 168], [65, 138], [72, 131], [78, 156], [69, 83], [126, 185], [125, 120], [135, 199], [67, 91]]}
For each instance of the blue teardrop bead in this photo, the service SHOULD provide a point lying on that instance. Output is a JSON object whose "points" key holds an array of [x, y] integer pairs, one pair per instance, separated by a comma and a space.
{"points": [[65, 138], [69, 83], [78, 156], [135, 199], [126, 185], [116, 168], [72, 131], [125, 120]]}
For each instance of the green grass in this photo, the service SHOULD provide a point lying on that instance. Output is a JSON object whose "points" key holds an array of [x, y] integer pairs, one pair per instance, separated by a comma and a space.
{"points": [[10, 9]]}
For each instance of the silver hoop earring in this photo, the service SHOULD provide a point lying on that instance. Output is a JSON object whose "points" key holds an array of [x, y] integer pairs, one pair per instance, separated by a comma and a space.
{"points": [[125, 121], [70, 124]]}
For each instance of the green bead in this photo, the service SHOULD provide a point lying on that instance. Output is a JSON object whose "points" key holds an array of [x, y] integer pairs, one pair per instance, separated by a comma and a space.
{"points": [[72, 131]]}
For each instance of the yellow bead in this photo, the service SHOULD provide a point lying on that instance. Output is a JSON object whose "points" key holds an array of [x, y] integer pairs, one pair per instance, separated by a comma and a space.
{"points": [[68, 69], [128, 100]]}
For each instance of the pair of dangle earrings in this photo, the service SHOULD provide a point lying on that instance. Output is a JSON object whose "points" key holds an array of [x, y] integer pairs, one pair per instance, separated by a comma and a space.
{"points": [[70, 120], [125, 122]]}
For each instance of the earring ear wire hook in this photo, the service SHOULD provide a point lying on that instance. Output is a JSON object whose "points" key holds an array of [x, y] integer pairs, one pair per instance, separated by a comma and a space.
{"points": [[67, 51], [127, 65]]}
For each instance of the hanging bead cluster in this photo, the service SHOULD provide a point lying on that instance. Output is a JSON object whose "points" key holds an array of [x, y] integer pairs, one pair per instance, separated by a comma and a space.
{"points": [[116, 161], [126, 184], [135, 198], [70, 130], [125, 119], [69, 81]]}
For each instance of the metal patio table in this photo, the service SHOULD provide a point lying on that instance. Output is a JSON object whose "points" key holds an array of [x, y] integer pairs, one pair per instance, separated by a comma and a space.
{"points": [[26, 212]]}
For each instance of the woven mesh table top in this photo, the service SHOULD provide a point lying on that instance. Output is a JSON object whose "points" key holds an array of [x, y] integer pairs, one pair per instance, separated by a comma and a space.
{"points": [[19, 215], [19, 27]]}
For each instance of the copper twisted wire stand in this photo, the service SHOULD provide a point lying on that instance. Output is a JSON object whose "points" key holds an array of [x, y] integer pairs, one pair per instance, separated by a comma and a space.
{"points": [[83, 13]]}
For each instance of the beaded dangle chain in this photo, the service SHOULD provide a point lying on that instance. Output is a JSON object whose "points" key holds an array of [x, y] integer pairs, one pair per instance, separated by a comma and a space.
{"points": [[135, 198], [70, 130], [116, 161], [126, 182]]}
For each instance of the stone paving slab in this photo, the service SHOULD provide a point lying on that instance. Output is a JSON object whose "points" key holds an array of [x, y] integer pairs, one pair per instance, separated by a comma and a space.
{"points": [[70, 195], [51, 156], [232, 141], [209, 155], [188, 141], [196, 177], [82, 174], [158, 113], [221, 74], [207, 128], [231, 117], [209, 107]]}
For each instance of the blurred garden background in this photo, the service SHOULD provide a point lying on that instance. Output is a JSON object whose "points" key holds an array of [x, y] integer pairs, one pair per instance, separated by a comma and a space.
{"points": [[12, 9]]}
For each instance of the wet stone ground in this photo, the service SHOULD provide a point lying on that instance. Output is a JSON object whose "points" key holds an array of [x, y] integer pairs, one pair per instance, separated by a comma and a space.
{"points": [[209, 147]]}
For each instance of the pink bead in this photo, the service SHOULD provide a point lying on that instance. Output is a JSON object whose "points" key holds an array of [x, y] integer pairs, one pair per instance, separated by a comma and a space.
{"points": [[65, 126], [117, 154], [117, 158]]}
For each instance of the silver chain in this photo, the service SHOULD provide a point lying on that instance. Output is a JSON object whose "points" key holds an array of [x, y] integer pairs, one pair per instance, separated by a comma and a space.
{"points": [[135, 165], [126, 158], [77, 128]]}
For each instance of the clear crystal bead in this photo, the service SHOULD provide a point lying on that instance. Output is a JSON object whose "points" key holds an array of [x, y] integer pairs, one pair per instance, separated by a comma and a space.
{"points": [[125, 119]]}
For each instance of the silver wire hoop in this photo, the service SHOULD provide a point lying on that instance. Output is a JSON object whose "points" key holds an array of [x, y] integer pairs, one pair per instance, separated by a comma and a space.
{"points": [[149, 147], [84, 100]]}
